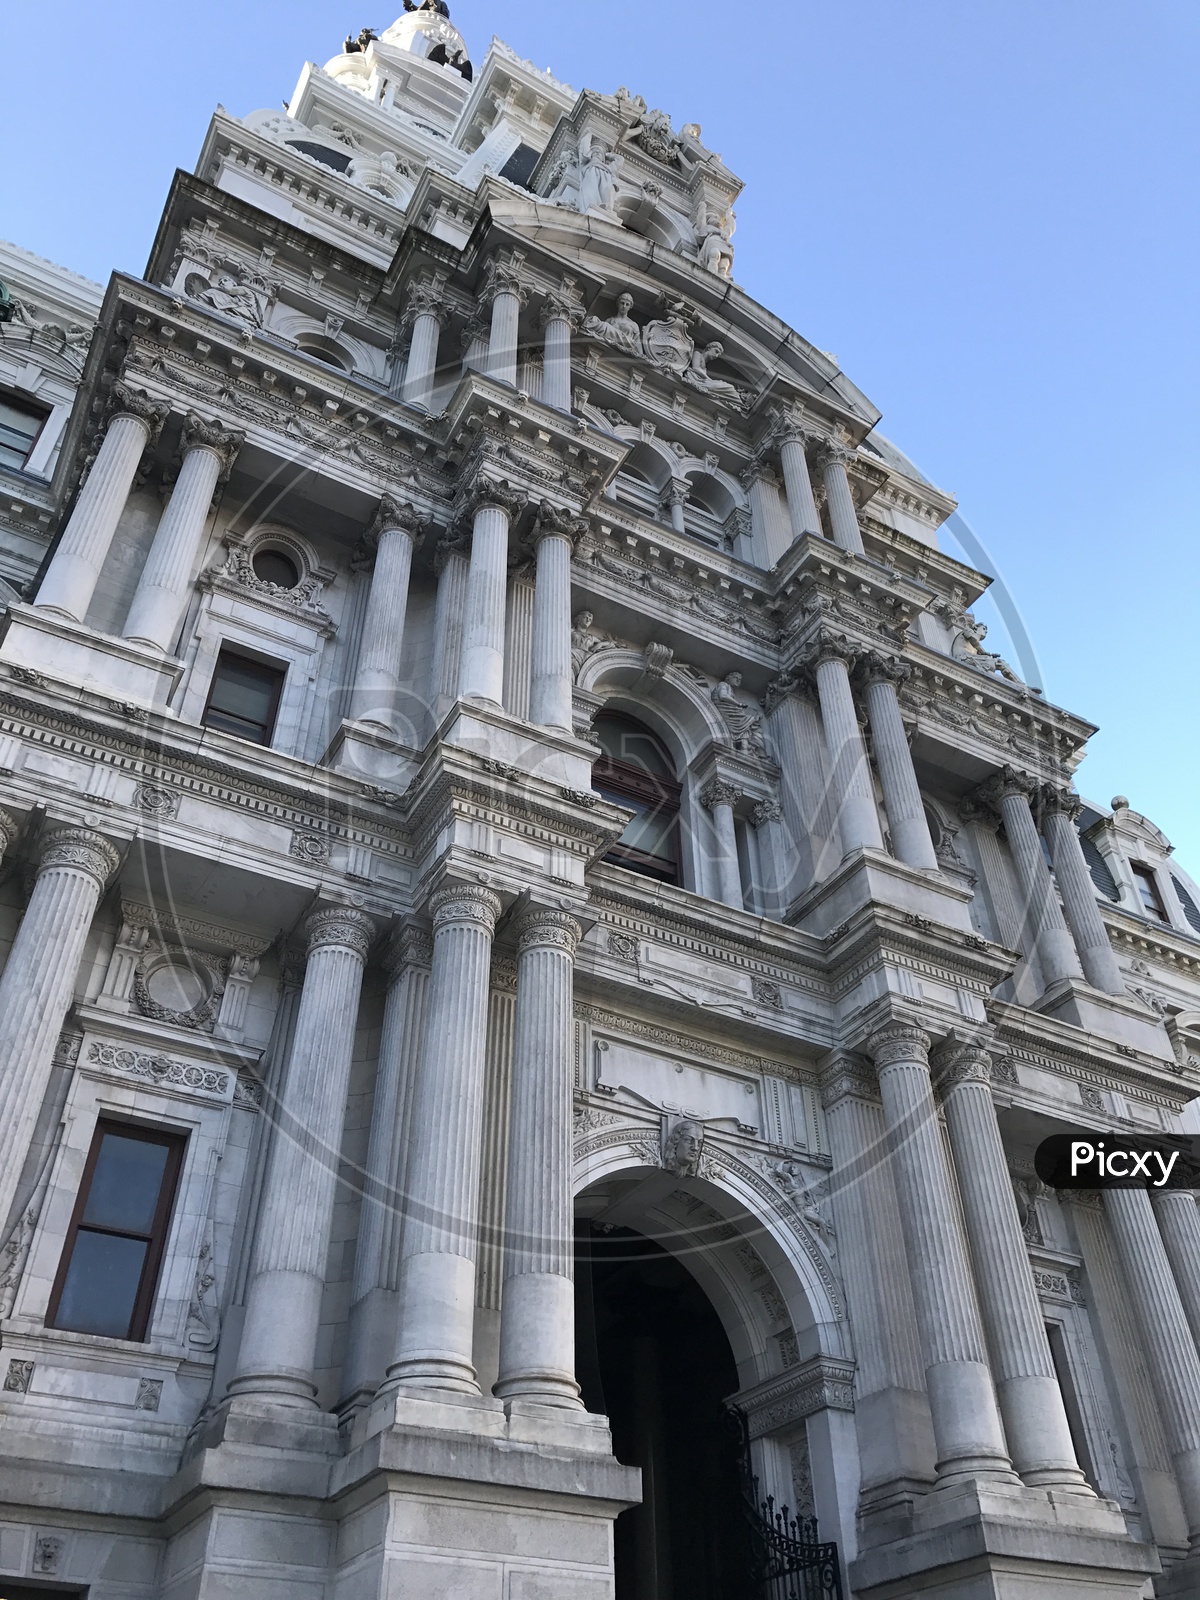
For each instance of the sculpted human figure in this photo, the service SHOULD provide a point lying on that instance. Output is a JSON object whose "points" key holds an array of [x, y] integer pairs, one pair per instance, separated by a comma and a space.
{"points": [[968, 647], [697, 375], [233, 299], [742, 720], [583, 640], [598, 170], [684, 1146], [716, 244], [620, 332]]}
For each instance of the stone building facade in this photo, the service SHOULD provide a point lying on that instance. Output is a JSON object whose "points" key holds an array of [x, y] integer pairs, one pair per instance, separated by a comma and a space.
{"points": [[491, 748]]}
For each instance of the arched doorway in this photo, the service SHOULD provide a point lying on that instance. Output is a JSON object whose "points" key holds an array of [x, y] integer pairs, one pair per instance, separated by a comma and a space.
{"points": [[653, 1357]]}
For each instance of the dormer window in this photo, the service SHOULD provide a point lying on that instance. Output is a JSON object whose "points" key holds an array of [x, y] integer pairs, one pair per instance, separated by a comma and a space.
{"points": [[1148, 891]]}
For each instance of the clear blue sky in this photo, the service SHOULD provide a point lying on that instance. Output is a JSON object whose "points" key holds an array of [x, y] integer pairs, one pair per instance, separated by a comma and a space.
{"points": [[986, 208]]}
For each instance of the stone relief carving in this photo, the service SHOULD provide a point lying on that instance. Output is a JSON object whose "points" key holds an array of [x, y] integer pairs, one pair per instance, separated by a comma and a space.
{"points": [[967, 639], [683, 1146], [667, 345], [714, 234], [159, 1070], [149, 1395], [304, 598], [204, 1318], [233, 290], [47, 1554], [13, 1258], [792, 1180], [18, 1377], [205, 970]]}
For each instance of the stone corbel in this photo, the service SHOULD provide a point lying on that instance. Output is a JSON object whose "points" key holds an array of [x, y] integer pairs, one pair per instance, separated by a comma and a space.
{"points": [[240, 973]]}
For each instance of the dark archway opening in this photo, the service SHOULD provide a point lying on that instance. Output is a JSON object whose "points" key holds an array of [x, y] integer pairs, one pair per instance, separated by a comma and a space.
{"points": [[653, 1357]]}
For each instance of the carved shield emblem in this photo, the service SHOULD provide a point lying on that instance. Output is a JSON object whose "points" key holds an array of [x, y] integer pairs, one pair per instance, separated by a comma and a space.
{"points": [[669, 344]]}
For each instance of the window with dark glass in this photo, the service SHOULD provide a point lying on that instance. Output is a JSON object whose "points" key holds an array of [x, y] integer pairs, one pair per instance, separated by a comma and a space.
{"points": [[20, 424], [244, 697], [636, 771], [10, 1591], [114, 1247], [1148, 890], [272, 566]]}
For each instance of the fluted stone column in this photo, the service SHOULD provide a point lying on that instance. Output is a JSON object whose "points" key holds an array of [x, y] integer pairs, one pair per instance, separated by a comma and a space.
{"points": [[1010, 791], [445, 670], [1031, 1402], [79, 557], [719, 798], [166, 581], [1060, 810], [395, 535], [518, 645], [559, 314], [675, 499], [966, 1421], [380, 1230], [507, 295], [38, 982], [897, 775], [475, 339], [895, 1433], [487, 593], [799, 744], [1167, 1343], [537, 1328], [774, 852], [428, 314], [852, 791], [434, 1342], [1179, 1223], [551, 677], [802, 505], [843, 518], [283, 1300]]}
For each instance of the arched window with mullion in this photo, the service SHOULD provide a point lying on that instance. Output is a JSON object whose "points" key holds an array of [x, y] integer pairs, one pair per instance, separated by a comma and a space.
{"points": [[636, 771]]}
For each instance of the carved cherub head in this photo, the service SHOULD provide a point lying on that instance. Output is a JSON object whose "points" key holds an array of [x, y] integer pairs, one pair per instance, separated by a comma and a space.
{"points": [[684, 1144]]}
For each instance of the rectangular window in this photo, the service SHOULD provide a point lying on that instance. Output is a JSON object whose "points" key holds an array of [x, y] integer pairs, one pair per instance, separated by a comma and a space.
{"points": [[1148, 890], [10, 1591], [20, 424], [110, 1264], [244, 697]]}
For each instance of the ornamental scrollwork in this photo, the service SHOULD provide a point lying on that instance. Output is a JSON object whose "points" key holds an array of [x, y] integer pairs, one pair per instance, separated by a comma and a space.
{"points": [[79, 847], [466, 903], [548, 930], [340, 927], [899, 1042], [159, 1070]]}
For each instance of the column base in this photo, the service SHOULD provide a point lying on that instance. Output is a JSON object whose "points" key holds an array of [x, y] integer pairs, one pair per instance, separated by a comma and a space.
{"points": [[1120, 1018], [44, 641], [373, 754], [977, 1541]]}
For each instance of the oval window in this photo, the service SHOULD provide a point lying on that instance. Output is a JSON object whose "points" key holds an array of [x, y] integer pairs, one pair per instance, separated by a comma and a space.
{"points": [[272, 566]]}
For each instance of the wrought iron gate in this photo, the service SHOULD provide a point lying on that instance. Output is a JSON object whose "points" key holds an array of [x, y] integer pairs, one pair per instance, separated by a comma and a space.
{"points": [[787, 1560]]}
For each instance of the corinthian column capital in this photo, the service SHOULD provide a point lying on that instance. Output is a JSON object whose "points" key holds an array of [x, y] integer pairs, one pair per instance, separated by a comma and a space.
{"points": [[393, 515], [874, 667], [1060, 802], [556, 521], [958, 1062], [126, 402], [80, 847], [548, 930], [829, 646], [340, 927], [899, 1041], [200, 434], [465, 903], [834, 452], [483, 492], [1007, 782], [9, 829], [719, 793]]}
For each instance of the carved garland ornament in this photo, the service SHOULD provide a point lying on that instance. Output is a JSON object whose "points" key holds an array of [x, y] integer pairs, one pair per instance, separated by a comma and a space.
{"points": [[465, 905], [340, 927], [549, 930], [901, 1042], [77, 847], [158, 1070]]}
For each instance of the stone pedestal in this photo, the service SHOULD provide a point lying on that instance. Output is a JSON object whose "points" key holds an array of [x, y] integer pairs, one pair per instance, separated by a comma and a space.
{"points": [[43, 641]]}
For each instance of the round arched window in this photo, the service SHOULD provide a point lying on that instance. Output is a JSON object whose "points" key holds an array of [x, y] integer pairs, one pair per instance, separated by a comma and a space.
{"points": [[636, 771], [272, 566]]}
